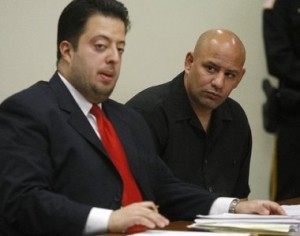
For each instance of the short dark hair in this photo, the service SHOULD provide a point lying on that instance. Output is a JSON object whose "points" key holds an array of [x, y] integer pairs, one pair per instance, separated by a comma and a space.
{"points": [[73, 18]]}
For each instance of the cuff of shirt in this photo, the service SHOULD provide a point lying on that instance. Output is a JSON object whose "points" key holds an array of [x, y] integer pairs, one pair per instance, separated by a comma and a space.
{"points": [[97, 221], [220, 205]]}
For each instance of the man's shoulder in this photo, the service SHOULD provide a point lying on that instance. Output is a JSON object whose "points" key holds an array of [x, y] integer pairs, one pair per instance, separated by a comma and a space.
{"points": [[126, 115], [120, 110], [150, 97], [34, 93], [232, 102], [232, 107]]}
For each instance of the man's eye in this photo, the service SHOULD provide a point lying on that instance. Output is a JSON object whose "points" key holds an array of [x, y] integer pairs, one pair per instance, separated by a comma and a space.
{"points": [[210, 69], [230, 75], [99, 46], [121, 50]]}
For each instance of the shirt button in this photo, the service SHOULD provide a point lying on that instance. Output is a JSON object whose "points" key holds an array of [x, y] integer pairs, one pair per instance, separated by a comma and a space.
{"points": [[205, 162], [210, 189]]}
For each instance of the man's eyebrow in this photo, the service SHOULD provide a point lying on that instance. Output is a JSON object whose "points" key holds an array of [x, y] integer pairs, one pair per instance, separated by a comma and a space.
{"points": [[213, 64], [233, 71], [101, 36], [210, 63]]}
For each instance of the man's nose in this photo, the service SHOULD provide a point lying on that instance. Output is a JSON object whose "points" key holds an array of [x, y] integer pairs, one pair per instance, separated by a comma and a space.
{"points": [[113, 55], [218, 80]]}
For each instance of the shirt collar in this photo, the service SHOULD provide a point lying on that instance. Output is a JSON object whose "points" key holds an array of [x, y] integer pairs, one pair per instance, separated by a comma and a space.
{"points": [[180, 110], [81, 101]]}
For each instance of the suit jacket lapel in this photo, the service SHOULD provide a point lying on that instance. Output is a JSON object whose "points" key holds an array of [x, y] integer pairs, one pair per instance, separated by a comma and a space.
{"points": [[80, 123], [74, 114]]}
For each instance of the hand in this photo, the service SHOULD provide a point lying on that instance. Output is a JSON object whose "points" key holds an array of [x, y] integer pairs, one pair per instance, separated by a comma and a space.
{"points": [[142, 213], [260, 207]]}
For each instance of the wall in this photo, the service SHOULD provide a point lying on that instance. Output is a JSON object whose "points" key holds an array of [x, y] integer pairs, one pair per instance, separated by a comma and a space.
{"points": [[162, 32]]}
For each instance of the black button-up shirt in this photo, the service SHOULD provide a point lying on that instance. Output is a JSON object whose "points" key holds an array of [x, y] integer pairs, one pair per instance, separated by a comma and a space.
{"points": [[218, 160]]}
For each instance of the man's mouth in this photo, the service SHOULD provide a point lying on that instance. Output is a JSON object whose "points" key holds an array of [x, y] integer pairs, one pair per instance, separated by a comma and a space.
{"points": [[213, 95], [107, 75]]}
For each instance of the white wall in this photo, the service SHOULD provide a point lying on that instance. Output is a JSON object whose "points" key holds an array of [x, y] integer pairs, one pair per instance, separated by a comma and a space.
{"points": [[162, 32]]}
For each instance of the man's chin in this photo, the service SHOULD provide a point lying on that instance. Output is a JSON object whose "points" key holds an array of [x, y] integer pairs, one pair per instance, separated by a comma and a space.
{"points": [[101, 95]]}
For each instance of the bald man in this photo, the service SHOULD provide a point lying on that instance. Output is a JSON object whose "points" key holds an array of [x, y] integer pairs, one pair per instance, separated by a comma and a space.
{"points": [[202, 134]]}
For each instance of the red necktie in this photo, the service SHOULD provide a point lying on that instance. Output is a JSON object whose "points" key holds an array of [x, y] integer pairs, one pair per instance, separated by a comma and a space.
{"points": [[117, 155]]}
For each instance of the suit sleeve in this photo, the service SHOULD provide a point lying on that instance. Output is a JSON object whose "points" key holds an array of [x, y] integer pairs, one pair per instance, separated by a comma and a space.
{"points": [[29, 203]]}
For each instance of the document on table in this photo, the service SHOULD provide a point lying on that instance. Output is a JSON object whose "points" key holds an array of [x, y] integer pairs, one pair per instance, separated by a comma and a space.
{"points": [[292, 210], [247, 223], [237, 224], [185, 233]]}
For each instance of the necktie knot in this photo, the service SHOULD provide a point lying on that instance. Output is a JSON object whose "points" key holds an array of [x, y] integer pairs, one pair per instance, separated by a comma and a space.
{"points": [[96, 111]]}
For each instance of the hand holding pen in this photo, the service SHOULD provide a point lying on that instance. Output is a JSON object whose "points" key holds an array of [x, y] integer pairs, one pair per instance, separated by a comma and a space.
{"points": [[145, 215]]}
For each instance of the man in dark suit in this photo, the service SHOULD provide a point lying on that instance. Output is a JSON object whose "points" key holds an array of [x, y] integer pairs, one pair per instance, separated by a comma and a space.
{"points": [[56, 177]]}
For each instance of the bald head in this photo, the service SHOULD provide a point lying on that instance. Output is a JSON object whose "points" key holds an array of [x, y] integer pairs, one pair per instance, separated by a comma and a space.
{"points": [[221, 41], [214, 69]]}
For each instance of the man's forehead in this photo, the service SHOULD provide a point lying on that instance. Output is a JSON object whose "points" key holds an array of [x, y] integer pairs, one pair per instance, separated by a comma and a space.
{"points": [[105, 27]]}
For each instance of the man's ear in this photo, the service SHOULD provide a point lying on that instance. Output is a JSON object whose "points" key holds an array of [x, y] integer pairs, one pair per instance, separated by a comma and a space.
{"points": [[240, 77], [66, 50], [189, 59]]}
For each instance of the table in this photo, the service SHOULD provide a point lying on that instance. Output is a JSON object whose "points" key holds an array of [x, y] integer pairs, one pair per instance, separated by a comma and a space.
{"points": [[182, 225]]}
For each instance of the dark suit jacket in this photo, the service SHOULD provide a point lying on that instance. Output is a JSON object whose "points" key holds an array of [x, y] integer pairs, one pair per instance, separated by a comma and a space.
{"points": [[53, 167]]}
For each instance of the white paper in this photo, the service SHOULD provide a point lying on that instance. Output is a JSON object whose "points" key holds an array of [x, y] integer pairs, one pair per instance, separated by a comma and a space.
{"points": [[251, 218], [247, 222], [185, 233], [292, 210]]}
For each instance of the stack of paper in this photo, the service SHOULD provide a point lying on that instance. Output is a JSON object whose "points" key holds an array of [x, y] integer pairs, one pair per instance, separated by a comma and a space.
{"points": [[247, 223], [184, 233]]}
